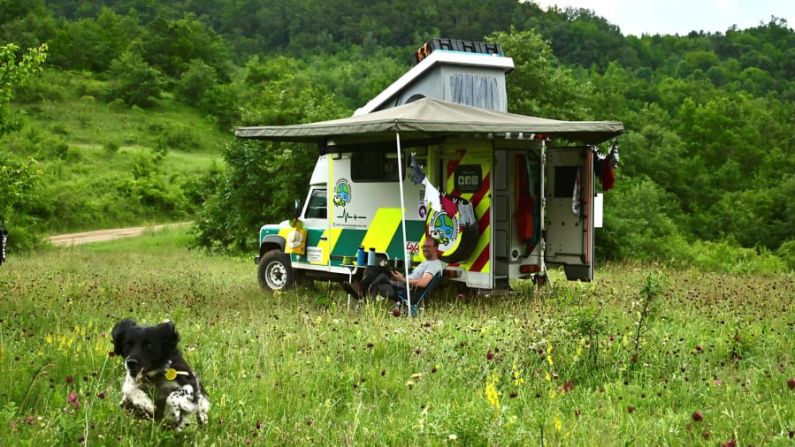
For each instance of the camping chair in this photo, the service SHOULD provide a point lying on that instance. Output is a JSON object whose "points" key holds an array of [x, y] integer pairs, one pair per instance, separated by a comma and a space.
{"points": [[418, 295]]}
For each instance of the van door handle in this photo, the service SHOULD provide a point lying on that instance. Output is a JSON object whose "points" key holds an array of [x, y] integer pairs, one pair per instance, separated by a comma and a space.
{"points": [[323, 238]]}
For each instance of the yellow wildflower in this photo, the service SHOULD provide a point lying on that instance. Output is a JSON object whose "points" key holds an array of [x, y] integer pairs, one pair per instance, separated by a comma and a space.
{"points": [[492, 395]]}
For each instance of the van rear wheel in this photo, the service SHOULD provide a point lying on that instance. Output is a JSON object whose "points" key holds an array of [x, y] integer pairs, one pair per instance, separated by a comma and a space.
{"points": [[275, 271]]}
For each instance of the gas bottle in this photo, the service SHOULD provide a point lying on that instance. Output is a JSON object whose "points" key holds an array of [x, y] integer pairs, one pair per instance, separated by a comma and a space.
{"points": [[371, 257], [361, 256]]}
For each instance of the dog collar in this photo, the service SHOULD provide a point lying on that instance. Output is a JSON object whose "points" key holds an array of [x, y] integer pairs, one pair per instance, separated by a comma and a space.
{"points": [[171, 373]]}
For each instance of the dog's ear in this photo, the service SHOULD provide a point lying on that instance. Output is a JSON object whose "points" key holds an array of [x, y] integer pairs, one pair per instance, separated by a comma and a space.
{"points": [[118, 334], [168, 336]]}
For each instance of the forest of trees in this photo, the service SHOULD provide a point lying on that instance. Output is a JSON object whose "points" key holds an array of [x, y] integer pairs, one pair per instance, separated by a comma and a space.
{"points": [[708, 160]]}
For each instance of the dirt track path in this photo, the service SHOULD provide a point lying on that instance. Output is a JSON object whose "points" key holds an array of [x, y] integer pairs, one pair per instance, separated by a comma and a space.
{"points": [[107, 235]]}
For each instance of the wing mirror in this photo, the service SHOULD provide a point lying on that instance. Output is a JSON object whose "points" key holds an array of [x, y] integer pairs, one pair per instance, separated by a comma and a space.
{"points": [[297, 208]]}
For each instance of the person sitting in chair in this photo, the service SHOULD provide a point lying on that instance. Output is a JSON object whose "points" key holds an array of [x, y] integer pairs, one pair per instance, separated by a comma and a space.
{"points": [[392, 284]]}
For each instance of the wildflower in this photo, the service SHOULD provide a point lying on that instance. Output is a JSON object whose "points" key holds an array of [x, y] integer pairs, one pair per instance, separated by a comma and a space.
{"points": [[558, 423], [452, 436], [69, 379], [518, 380], [492, 395], [489, 355], [73, 400], [568, 386], [101, 395], [697, 416]]}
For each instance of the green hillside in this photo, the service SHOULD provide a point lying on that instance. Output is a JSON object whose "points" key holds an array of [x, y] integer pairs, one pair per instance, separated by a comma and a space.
{"points": [[102, 164]]}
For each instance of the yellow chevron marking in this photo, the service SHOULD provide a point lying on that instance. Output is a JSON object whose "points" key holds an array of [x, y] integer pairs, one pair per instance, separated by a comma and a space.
{"points": [[323, 245], [381, 229], [483, 241], [336, 232]]}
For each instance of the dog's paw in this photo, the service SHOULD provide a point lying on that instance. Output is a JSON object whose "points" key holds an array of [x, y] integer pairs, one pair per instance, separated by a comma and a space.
{"points": [[141, 410], [204, 408]]}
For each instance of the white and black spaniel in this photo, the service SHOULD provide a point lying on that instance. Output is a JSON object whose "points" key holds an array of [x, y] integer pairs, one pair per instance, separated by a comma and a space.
{"points": [[159, 383]]}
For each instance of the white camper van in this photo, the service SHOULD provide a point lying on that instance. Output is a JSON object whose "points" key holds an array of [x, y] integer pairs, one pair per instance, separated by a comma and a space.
{"points": [[505, 195]]}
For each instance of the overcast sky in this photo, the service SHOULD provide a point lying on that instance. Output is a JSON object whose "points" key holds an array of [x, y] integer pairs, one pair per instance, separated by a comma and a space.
{"points": [[682, 16]]}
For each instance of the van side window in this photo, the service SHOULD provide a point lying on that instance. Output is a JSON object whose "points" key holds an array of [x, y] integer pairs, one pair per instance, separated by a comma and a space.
{"points": [[316, 209], [374, 167]]}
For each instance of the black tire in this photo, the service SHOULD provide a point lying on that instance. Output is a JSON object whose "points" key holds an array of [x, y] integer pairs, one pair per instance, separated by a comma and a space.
{"points": [[275, 271]]}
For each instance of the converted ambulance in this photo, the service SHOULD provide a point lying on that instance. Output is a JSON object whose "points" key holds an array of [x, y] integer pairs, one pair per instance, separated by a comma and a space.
{"points": [[437, 155]]}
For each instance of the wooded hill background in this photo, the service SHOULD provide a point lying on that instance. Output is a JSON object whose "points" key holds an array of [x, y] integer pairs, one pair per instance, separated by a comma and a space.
{"points": [[131, 118]]}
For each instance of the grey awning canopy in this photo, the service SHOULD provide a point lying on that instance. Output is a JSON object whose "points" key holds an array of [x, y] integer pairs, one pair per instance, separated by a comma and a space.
{"points": [[429, 117]]}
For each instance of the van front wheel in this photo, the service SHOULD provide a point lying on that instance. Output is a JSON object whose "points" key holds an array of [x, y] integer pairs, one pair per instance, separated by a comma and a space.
{"points": [[275, 271]]}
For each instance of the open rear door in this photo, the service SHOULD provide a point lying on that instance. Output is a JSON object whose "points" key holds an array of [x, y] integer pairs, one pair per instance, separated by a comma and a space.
{"points": [[570, 210]]}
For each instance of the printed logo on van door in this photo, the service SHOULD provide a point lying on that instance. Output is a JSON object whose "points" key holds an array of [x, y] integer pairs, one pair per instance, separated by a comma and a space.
{"points": [[468, 178], [444, 228], [342, 192]]}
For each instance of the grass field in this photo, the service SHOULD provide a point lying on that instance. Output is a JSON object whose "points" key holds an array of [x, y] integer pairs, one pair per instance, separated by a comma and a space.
{"points": [[557, 366]]}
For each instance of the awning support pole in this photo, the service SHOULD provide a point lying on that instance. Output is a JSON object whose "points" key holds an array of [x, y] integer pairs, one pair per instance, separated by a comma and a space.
{"points": [[543, 252], [407, 262]]}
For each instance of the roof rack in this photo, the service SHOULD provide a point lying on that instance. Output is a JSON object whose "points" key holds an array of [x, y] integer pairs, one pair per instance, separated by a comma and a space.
{"points": [[465, 46]]}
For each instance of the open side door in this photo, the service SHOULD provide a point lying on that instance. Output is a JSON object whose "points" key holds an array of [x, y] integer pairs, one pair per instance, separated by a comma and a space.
{"points": [[570, 211], [465, 236]]}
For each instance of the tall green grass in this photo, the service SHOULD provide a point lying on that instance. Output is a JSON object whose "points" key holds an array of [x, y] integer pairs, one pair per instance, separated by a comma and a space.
{"points": [[308, 367]]}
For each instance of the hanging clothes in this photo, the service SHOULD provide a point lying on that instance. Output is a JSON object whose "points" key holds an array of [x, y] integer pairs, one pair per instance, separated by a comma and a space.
{"points": [[432, 196], [525, 204], [448, 206], [575, 196], [605, 167], [466, 212]]}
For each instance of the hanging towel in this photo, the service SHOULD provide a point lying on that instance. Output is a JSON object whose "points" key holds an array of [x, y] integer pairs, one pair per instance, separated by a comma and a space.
{"points": [[467, 213], [432, 196], [448, 206]]}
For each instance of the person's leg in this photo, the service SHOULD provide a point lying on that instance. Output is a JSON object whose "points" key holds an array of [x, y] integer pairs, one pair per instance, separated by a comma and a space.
{"points": [[372, 278]]}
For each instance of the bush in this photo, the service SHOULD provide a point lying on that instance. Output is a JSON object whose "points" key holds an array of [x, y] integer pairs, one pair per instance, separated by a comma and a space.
{"points": [[195, 82], [638, 224], [20, 193], [111, 147], [729, 258], [177, 137], [787, 254], [135, 82]]}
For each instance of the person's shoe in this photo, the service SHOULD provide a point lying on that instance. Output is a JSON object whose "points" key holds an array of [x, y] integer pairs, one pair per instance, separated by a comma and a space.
{"points": [[353, 289]]}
